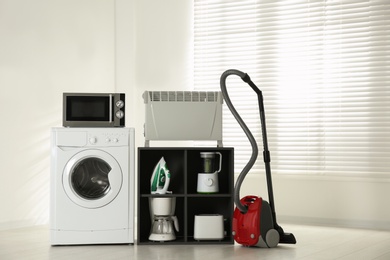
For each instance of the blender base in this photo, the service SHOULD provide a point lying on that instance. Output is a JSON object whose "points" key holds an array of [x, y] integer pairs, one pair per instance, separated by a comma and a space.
{"points": [[207, 183]]}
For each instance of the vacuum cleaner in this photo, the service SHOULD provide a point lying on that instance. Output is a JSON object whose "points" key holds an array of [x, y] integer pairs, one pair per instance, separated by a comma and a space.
{"points": [[254, 219]]}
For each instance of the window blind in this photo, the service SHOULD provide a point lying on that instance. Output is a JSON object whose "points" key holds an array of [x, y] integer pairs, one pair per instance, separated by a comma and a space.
{"points": [[324, 70]]}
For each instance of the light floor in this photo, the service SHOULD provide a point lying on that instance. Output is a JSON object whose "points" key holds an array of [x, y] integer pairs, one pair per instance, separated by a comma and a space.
{"points": [[313, 243]]}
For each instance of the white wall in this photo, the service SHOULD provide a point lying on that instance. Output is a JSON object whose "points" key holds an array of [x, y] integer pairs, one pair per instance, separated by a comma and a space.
{"points": [[320, 200], [164, 50], [125, 50], [49, 47], [46, 48]]}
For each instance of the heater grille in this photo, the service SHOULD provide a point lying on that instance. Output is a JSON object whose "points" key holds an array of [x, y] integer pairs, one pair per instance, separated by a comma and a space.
{"points": [[183, 96]]}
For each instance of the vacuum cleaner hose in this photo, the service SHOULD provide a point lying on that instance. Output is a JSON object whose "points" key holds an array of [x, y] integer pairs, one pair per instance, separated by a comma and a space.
{"points": [[246, 130]]}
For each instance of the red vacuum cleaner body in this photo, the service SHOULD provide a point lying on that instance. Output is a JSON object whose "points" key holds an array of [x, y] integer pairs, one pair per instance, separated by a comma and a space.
{"points": [[255, 227]]}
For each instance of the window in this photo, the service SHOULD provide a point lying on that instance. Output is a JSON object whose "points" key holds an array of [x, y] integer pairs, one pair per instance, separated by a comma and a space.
{"points": [[324, 70]]}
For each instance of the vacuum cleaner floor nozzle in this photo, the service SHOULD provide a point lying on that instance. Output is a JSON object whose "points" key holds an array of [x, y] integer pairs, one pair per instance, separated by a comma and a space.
{"points": [[287, 238]]}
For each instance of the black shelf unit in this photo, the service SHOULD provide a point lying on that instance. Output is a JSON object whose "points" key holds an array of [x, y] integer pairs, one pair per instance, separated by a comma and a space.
{"points": [[184, 164]]}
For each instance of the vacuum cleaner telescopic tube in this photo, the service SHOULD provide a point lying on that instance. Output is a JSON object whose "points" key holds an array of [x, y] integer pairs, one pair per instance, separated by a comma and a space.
{"points": [[287, 238]]}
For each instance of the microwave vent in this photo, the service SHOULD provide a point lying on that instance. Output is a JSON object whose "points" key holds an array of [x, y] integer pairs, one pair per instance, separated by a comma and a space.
{"points": [[183, 115]]}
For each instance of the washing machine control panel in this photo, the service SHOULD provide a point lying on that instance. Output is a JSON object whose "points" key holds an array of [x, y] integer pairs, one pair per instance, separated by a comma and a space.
{"points": [[107, 139]]}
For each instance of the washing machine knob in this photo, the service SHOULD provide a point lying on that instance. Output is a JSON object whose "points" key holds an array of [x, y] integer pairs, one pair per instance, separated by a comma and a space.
{"points": [[92, 140]]}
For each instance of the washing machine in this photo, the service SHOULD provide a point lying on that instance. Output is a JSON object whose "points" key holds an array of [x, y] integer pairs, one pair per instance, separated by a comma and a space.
{"points": [[92, 186]]}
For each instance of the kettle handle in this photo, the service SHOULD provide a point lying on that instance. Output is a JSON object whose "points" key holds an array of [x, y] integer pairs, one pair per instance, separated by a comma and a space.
{"points": [[220, 161], [175, 222]]}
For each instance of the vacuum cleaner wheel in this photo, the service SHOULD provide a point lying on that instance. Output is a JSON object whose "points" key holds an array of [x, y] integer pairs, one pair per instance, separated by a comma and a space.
{"points": [[272, 238]]}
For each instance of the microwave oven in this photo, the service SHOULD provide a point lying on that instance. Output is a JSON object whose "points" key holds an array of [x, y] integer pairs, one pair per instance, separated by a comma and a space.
{"points": [[93, 110]]}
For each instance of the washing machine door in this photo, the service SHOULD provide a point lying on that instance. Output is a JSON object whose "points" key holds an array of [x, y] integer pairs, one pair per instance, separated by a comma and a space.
{"points": [[92, 178]]}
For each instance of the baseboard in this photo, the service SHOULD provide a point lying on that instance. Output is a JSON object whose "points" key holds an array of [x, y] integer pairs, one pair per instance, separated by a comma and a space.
{"points": [[342, 223], [21, 224]]}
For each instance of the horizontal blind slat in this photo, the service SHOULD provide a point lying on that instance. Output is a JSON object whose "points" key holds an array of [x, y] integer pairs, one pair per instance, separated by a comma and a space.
{"points": [[323, 67]]}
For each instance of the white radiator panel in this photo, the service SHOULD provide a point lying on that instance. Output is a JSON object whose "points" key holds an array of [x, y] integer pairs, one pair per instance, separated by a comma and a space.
{"points": [[183, 115]]}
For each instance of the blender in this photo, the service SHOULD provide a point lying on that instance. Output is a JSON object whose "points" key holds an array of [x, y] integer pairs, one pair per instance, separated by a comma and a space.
{"points": [[208, 178], [164, 223]]}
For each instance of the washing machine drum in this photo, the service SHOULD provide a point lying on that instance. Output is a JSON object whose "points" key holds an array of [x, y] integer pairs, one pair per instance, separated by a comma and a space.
{"points": [[92, 178]]}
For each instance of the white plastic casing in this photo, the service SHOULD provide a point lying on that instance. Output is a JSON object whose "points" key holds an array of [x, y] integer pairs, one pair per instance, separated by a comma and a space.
{"points": [[208, 227]]}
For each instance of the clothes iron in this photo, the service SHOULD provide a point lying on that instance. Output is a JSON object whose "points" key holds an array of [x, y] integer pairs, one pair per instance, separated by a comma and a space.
{"points": [[160, 178]]}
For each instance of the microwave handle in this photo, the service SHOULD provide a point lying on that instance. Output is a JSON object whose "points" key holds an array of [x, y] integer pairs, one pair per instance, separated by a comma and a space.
{"points": [[110, 114]]}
